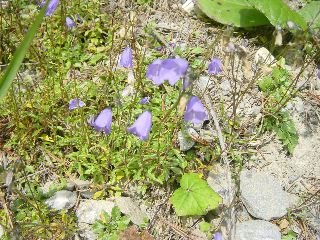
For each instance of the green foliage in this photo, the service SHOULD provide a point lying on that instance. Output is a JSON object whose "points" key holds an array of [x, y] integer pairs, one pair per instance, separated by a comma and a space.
{"points": [[109, 227], [194, 197], [238, 13], [291, 235], [278, 13], [19, 55], [36, 221], [283, 126], [250, 13], [276, 89], [206, 228], [311, 14]]}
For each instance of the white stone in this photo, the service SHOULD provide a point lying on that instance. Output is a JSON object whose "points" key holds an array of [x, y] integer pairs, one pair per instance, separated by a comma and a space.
{"points": [[62, 200], [188, 6], [89, 210], [129, 207], [185, 142], [263, 56]]}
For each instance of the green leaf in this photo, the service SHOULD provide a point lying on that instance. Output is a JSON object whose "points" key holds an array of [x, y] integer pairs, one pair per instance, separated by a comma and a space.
{"points": [[311, 14], [290, 236], [238, 13], [205, 226], [194, 197], [19, 55], [278, 13]]}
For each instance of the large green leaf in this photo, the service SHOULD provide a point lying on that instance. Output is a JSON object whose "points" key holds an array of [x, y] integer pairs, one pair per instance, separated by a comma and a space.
{"points": [[311, 14], [19, 55], [278, 13], [194, 197], [238, 13]]}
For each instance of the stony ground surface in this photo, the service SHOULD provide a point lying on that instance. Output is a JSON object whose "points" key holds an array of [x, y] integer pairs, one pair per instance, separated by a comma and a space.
{"points": [[270, 181]]}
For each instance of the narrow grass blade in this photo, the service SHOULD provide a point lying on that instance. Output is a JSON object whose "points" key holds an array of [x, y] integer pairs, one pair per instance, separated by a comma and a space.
{"points": [[19, 55]]}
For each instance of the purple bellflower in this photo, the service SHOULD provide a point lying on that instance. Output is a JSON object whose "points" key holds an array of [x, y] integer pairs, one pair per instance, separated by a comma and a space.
{"points": [[144, 100], [318, 74], [171, 69], [76, 103], [70, 23], [215, 67], [142, 126], [195, 111], [217, 236], [53, 4], [102, 122], [126, 59]]}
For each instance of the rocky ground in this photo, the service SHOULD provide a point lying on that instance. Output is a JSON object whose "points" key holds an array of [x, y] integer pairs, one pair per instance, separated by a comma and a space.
{"points": [[274, 193]]}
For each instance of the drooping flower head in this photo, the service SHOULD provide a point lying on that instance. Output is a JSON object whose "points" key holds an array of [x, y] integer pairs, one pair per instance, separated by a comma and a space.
{"points": [[318, 73], [217, 236], [215, 67], [102, 122], [144, 100], [70, 23], [76, 103], [142, 126], [126, 59], [171, 69], [195, 111], [53, 4]]}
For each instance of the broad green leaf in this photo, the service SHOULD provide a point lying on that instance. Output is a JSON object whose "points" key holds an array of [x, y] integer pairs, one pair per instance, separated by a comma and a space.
{"points": [[19, 55], [311, 14], [278, 13], [194, 197], [238, 13]]}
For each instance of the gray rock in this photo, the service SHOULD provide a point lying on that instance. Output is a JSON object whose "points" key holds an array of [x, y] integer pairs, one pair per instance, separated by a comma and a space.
{"points": [[85, 231], [87, 194], [225, 87], [257, 230], [70, 186], [89, 210], [202, 84], [80, 183], [130, 208], [185, 142], [192, 132], [62, 200], [262, 195], [217, 180]]}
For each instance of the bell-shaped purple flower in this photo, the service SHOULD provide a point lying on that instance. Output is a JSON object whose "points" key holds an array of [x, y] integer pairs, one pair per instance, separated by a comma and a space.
{"points": [[217, 236], [126, 59], [70, 23], [53, 4], [76, 103], [195, 111], [142, 126], [144, 100], [171, 69], [215, 67], [318, 74], [102, 122]]}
